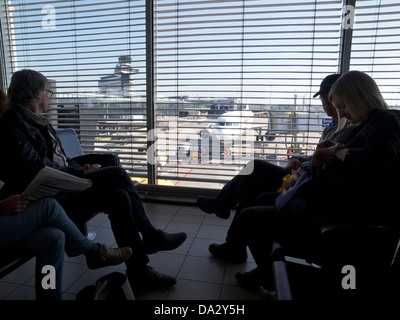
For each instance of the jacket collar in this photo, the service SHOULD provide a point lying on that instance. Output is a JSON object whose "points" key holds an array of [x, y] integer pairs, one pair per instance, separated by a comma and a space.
{"points": [[28, 115]]}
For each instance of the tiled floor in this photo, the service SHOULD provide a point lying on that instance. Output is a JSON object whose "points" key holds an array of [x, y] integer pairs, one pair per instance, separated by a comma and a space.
{"points": [[200, 276]]}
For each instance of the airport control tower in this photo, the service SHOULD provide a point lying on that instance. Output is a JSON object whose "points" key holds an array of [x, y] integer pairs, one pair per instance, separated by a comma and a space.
{"points": [[120, 83]]}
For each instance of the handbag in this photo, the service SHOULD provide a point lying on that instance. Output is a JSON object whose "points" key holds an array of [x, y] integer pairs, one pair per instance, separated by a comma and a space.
{"points": [[113, 287]]}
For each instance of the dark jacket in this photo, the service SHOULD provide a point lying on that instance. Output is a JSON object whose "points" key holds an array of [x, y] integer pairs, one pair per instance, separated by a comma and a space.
{"points": [[26, 147], [365, 187]]}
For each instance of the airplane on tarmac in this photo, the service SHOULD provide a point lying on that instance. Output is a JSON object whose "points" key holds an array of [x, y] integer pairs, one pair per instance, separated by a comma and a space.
{"points": [[233, 125], [228, 129]]}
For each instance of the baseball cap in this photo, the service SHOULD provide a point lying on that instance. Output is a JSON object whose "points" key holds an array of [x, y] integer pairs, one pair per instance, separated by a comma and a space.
{"points": [[326, 84]]}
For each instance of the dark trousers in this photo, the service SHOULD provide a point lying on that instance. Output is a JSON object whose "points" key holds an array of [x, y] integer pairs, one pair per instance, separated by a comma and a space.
{"points": [[262, 226], [258, 187], [112, 192], [104, 159]]}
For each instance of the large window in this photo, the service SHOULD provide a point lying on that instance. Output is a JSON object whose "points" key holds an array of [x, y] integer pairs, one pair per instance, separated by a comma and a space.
{"points": [[237, 78], [376, 45], [186, 92]]}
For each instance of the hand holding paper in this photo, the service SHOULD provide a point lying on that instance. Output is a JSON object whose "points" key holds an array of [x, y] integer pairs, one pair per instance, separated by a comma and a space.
{"points": [[49, 181]]}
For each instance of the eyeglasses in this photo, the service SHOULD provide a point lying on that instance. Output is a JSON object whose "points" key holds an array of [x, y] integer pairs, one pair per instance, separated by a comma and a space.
{"points": [[49, 93]]}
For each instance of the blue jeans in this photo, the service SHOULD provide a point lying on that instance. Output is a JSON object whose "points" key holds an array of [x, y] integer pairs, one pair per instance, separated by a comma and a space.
{"points": [[44, 228]]}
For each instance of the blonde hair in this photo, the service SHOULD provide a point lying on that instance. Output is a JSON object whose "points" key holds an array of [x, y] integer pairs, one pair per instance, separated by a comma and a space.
{"points": [[342, 122], [359, 92]]}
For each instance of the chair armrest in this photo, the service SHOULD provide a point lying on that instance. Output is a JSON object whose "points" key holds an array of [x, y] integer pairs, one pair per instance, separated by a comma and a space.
{"points": [[361, 243], [357, 228], [281, 280]]}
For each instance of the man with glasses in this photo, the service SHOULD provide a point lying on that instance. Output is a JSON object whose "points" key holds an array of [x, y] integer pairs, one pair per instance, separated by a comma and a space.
{"points": [[29, 143]]}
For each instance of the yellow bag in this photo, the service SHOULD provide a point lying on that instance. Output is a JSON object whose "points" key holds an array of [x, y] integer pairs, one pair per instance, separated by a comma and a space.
{"points": [[285, 181]]}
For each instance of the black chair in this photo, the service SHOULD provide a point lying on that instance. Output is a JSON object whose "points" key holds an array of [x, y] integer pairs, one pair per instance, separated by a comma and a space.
{"points": [[373, 252]]}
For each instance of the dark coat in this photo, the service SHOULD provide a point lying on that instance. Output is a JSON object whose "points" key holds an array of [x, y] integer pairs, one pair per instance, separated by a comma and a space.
{"points": [[365, 187], [26, 147]]}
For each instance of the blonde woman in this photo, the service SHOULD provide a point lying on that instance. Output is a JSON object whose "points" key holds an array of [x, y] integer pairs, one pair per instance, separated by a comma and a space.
{"points": [[358, 183], [356, 98]]}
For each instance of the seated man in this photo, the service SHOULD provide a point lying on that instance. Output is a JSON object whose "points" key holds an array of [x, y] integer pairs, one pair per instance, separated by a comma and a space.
{"points": [[260, 186], [29, 143]]}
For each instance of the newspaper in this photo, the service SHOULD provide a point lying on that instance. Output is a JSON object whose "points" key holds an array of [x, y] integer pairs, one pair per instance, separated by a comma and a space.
{"points": [[50, 181]]}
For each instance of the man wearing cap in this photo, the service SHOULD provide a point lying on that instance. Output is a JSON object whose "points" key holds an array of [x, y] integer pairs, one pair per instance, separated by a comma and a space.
{"points": [[260, 186], [330, 132]]}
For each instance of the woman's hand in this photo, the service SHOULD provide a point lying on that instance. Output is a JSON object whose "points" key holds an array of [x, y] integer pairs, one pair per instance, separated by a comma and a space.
{"points": [[321, 157], [15, 204], [293, 164], [326, 144], [323, 154]]}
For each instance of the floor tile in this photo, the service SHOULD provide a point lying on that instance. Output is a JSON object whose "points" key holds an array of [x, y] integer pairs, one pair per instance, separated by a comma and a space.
{"points": [[194, 290], [199, 247], [233, 268], [190, 229], [104, 235], [202, 269], [189, 216], [22, 293], [212, 232], [167, 263], [98, 220], [237, 293], [7, 288], [152, 295], [22, 274]]}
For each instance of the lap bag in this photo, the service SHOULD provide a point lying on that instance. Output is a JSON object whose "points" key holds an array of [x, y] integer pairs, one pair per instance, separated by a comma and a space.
{"points": [[303, 176]]}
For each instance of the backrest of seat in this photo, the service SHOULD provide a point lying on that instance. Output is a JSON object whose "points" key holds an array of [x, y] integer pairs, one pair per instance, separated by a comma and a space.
{"points": [[70, 142]]}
